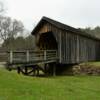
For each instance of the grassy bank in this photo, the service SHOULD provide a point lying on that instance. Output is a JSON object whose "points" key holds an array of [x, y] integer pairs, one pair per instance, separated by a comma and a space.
{"points": [[19, 87]]}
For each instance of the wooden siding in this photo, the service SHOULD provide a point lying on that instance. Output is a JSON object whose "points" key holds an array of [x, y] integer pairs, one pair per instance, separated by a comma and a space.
{"points": [[72, 47]]}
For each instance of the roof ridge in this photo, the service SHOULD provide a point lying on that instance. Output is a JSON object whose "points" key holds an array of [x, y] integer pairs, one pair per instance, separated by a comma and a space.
{"points": [[65, 27]]}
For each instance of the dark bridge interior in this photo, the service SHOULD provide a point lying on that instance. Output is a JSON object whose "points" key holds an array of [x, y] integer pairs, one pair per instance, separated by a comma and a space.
{"points": [[47, 41]]}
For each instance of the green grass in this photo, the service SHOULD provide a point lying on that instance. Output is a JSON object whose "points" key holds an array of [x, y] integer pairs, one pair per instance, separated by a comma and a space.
{"points": [[94, 64], [19, 87]]}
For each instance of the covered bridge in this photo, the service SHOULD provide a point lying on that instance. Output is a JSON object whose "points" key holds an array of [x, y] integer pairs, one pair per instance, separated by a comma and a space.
{"points": [[73, 46], [58, 44]]}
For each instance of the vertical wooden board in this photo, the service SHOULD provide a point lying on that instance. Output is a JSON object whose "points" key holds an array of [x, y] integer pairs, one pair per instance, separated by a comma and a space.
{"points": [[85, 43], [71, 51], [64, 43], [72, 48], [63, 46], [60, 43], [43, 28], [77, 49], [69, 41], [66, 47]]}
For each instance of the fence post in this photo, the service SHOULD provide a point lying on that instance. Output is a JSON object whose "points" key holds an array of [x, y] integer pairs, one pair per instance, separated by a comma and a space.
{"points": [[56, 54], [11, 56], [45, 54], [27, 56]]}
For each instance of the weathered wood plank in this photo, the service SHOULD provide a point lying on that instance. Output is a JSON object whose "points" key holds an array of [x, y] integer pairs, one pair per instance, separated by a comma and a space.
{"points": [[72, 47]]}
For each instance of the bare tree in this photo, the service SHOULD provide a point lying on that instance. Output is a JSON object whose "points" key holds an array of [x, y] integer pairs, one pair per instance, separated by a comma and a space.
{"points": [[2, 8], [9, 28], [2, 11]]}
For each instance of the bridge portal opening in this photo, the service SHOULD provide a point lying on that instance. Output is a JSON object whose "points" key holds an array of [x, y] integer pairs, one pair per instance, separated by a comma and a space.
{"points": [[47, 41]]}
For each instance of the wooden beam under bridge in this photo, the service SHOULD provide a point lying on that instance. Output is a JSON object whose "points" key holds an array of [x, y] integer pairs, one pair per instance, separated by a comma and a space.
{"points": [[32, 58]]}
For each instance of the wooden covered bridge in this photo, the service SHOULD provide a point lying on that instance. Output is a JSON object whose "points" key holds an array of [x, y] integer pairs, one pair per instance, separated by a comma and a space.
{"points": [[57, 44]]}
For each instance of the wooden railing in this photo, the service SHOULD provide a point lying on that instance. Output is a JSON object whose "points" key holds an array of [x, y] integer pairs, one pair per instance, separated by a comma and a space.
{"points": [[3, 56], [31, 56]]}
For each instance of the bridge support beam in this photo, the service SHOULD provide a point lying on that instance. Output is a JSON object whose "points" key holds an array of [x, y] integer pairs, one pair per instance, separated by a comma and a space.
{"points": [[26, 70], [54, 69], [18, 70], [45, 69], [37, 72], [34, 71]]}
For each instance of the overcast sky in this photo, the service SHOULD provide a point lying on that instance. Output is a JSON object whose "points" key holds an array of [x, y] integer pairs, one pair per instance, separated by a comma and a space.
{"points": [[76, 13]]}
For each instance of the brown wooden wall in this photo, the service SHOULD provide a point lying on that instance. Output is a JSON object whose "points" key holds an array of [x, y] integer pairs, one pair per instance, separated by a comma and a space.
{"points": [[72, 47]]}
